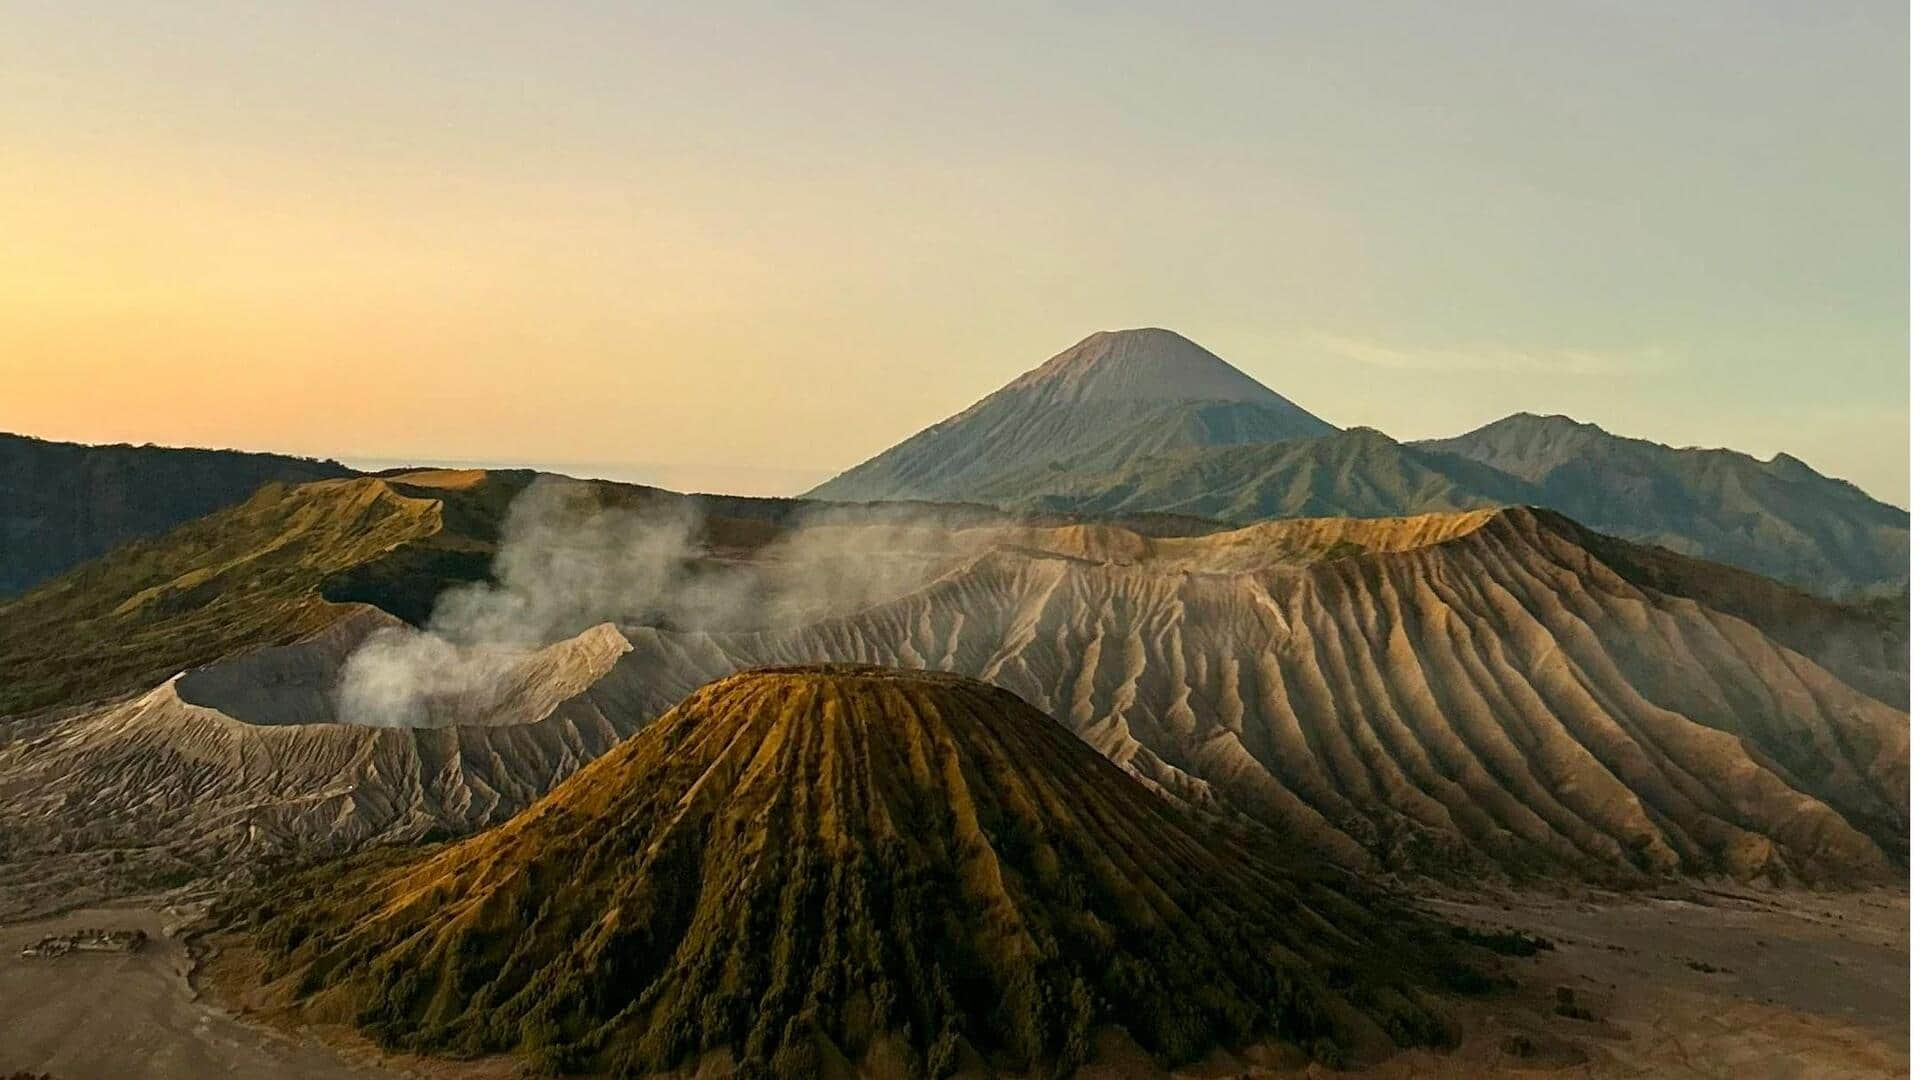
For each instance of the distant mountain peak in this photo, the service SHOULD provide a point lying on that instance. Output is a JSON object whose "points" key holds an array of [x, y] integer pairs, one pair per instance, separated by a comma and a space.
{"points": [[1371, 436], [1143, 364], [1114, 396], [1783, 462], [1543, 422]]}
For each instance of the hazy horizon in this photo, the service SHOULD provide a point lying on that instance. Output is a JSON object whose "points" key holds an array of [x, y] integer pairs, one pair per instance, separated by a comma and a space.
{"points": [[752, 245], [755, 480]]}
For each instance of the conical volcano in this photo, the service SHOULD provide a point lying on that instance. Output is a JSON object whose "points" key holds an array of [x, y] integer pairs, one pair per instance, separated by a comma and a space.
{"points": [[1148, 364], [1113, 398], [810, 868]]}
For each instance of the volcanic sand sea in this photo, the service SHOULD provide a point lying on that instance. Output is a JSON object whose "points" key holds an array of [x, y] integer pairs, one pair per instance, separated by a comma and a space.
{"points": [[120, 1015], [1803, 985], [1735, 983]]}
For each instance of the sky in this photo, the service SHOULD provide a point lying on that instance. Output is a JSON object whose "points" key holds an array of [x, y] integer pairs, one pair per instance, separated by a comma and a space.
{"points": [[730, 246]]}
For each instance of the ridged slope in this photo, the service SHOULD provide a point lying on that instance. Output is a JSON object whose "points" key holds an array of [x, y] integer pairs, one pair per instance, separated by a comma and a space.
{"points": [[851, 865], [178, 789], [1111, 398], [1355, 473], [284, 564], [1148, 364], [1499, 692], [1499, 701]]}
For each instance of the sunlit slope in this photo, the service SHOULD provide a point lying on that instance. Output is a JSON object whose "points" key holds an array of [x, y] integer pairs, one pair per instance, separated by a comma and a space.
{"points": [[242, 576], [1500, 699], [905, 872], [63, 503]]}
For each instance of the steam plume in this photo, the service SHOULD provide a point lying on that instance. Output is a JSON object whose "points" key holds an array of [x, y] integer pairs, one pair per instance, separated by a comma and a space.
{"points": [[567, 561]]}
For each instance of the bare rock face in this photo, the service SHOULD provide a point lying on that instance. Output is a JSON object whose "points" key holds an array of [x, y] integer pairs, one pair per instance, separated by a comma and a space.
{"points": [[176, 788], [850, 865]]}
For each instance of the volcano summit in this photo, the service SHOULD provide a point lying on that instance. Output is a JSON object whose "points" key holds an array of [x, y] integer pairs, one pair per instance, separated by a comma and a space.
{"points": [[1115, 397]]}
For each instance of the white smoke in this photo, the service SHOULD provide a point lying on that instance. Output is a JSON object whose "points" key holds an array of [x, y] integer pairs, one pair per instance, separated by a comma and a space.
{"points": [[837, 560], [565, 562], [568, 560]]}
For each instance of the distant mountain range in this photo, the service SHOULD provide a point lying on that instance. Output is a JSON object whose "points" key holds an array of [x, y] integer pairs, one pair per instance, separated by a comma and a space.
{"points": [[64, 503], [1778, 517], [1146, 421], [1135, 423]]}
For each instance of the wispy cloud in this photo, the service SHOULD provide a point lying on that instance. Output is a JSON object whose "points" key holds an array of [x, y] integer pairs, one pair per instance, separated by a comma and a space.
{"points": [[1494, 357]]}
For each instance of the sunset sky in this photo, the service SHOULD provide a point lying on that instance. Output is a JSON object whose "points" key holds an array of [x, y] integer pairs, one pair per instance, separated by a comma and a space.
{"points": [[742, 246]]}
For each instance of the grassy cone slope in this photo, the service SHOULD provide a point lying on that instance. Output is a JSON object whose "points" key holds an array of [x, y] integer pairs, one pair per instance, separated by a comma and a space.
{"points": [[811, 867]]}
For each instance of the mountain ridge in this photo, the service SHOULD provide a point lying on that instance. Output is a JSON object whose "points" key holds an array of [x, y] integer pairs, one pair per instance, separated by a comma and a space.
{"points": [[1818, 534], [64, 503], [1152, 447], [306, 553], [1779, 517]]}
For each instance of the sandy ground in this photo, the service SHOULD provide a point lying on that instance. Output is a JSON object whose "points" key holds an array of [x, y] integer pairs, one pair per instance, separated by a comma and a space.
{"points": [[1735, 984], [86, 1016], [1748, 985]]}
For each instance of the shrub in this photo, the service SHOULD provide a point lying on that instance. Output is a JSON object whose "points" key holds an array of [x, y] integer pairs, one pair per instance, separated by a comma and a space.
{"points": [[1504, 942]]}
